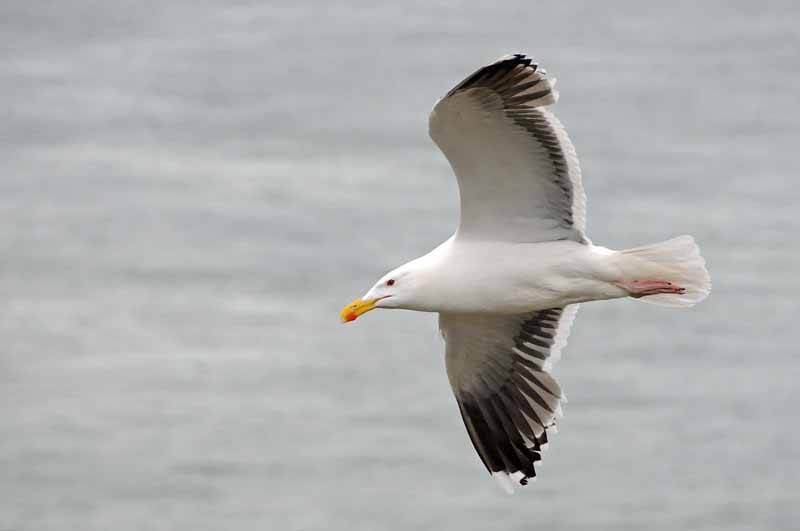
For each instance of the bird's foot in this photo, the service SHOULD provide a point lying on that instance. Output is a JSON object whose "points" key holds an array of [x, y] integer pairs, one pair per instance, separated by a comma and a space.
{"points": [[643, 288]]}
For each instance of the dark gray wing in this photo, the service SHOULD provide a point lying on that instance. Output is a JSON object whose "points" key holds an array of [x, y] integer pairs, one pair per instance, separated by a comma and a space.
{"points": [[499, 369], [518, 174]]}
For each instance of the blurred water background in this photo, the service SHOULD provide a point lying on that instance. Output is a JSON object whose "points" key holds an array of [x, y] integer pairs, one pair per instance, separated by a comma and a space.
{"points": [[190, 191]]}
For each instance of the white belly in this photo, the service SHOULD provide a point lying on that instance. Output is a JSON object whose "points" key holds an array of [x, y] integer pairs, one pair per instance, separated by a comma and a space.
{"points": [[509, 278]]}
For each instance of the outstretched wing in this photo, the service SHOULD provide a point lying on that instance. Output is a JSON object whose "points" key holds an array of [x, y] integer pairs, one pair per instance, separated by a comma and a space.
{"points": [[518, 174], [499, 369]]}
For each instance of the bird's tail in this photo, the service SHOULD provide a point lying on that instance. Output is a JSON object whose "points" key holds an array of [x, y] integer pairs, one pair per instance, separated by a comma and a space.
{"points": [[677, 261]]}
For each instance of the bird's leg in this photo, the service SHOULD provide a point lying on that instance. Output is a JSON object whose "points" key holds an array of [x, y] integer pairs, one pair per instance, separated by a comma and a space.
{"points": [[643, 288]]}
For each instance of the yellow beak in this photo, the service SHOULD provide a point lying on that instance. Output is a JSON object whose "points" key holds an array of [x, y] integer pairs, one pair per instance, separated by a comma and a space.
{"points": [[356, 308]]}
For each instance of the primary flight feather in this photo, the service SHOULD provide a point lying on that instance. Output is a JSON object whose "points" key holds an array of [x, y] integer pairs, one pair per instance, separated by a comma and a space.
{"points": [[506, 285]]}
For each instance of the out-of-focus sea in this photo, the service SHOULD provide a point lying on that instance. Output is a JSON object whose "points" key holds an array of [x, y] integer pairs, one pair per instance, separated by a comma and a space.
{"points": [[190, 191]]}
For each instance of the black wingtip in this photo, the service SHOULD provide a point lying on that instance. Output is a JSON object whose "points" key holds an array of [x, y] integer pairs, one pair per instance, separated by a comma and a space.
{"points": [[495, 73], [518, 58]]}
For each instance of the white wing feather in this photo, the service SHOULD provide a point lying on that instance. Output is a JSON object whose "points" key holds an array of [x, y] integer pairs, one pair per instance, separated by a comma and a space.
{"points": [[499, 370], [518, 175]]}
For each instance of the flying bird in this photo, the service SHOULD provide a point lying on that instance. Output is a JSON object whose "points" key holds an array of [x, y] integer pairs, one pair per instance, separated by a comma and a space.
{"points": [[508, 283]]}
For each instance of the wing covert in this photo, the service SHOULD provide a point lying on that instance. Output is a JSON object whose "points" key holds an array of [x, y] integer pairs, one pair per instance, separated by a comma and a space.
{"points": [[518, 175], [499, 370]]}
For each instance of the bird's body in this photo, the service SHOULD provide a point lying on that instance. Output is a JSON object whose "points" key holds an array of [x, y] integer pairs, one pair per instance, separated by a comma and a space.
{"points": [[495, 277], [507, 283]]}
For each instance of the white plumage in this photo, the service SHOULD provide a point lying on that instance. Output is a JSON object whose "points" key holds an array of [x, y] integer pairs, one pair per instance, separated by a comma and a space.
{"points": [[506, 285], [518, 174]]}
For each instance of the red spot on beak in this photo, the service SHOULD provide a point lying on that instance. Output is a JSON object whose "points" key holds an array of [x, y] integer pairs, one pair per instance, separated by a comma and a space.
{"points": [[350, 317]]}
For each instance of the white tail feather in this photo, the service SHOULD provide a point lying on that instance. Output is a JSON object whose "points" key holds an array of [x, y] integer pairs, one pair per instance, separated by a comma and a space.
{"points": [[678, 261]]}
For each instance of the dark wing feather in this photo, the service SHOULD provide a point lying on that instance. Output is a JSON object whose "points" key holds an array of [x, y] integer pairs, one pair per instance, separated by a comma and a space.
{"points": [[518, 174], [498, 367]]}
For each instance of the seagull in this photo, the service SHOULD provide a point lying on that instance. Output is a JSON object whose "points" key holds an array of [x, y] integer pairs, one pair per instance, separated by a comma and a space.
{"points": [[508, 283]]}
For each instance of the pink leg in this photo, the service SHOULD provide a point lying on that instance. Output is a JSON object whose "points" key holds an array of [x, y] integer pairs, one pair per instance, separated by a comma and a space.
{"points": [[643, 288]]}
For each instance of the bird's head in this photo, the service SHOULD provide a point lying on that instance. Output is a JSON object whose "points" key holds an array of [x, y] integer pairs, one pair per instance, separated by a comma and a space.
{"points": [[395, 289]]}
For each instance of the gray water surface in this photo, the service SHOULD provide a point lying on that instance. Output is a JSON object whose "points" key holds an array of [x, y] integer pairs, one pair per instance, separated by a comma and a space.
{"points": [[190, 191]]}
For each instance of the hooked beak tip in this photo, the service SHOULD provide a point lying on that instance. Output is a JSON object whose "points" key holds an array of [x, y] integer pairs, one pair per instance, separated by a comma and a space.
{"points": [[356, 308]]}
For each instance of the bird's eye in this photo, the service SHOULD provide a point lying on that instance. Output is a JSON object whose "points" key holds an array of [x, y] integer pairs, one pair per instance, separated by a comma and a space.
{"points": [[390, 282]]}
